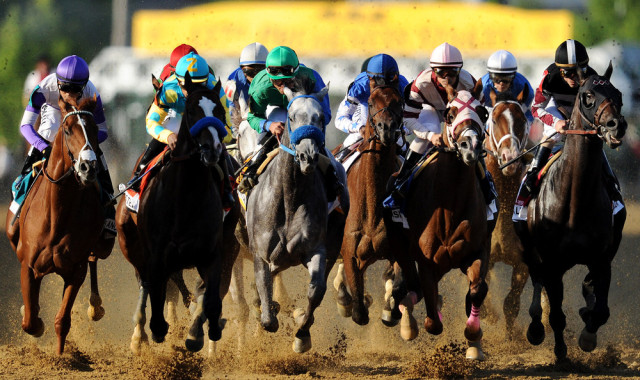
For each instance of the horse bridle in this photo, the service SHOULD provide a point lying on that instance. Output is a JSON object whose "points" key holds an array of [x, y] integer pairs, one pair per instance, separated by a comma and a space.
{"points": [[451, 129], [394, 116], [90, 156], [301, 132], [520, 143]]}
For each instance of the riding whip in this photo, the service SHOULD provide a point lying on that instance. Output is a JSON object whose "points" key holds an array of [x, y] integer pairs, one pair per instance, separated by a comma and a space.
{"points": [[527, 151], [246, 162]]}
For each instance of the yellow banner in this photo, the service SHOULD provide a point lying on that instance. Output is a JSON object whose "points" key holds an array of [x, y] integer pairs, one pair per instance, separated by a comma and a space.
{"points": [[352, 29]]}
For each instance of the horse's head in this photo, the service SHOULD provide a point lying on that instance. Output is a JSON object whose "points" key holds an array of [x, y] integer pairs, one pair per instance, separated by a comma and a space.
{"points": [[77, 139], [305, 127], [385, 114], [203, 114], [508, 130], [599, 104], [464, 119]]}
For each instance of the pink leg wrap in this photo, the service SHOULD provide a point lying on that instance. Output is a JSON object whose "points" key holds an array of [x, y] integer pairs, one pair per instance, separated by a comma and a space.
{"points": [[474, 321]]}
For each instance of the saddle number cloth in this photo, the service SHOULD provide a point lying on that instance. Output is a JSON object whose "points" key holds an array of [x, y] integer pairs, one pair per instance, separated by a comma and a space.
{"points": [[132, 200]]}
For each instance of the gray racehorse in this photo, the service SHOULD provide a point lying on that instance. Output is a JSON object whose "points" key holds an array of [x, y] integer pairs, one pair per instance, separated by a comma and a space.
{"points": [[287, 214]]}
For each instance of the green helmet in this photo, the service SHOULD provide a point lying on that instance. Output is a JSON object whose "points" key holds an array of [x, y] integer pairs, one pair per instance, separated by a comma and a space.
{"points": [[282, 63]]}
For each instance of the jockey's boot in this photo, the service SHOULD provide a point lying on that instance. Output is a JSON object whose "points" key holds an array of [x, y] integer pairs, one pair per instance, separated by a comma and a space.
{"points": [[490, 194], [399, 188], [612, 185], [106, 197], [539, 161], [153, 149], [34, 156], [227, 190], [250, 175]]}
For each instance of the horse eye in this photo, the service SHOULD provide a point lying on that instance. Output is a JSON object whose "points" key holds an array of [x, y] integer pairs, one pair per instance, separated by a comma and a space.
{"points": [[67, 131]]}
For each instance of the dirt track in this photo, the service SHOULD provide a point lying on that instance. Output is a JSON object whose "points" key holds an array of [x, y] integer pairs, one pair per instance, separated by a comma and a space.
{"points": [[341, 349]]}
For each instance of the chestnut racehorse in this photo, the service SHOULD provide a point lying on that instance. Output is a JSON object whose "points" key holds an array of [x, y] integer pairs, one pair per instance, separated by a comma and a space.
{"points": [[447, 220], [507, 135], [369, 235], [59, 227], [571, 220]]}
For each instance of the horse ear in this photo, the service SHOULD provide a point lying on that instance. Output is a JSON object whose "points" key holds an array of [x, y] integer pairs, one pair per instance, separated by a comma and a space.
{"points": [[609, 71], [581, 77], [288, 93], [155, 82], [477, 90], [492, 96], [522, 94], [451, 92], [322, 93], [188, 83], [450, 114]]}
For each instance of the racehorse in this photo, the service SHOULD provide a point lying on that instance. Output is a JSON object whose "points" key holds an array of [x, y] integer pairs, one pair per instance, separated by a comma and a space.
{"points": [[287, 214], [448, 221], [507, 135], [369, 235], [180, 223], [571, 220], [61, 219]]}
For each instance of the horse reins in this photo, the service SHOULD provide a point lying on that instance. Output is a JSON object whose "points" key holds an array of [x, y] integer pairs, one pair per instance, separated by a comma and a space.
{"points": [[71, 169]]}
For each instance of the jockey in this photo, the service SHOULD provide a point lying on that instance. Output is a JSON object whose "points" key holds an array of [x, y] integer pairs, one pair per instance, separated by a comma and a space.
{"points": [[502, 77], [71, 80], [252, 60], [170, 68], [553, 104], [172, 96], [424, 113], [267, 90], [382, 70]]}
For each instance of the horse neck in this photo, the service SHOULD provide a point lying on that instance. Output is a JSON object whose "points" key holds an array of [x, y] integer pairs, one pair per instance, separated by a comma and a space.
{"points": [[378, 161], [582, 156]]}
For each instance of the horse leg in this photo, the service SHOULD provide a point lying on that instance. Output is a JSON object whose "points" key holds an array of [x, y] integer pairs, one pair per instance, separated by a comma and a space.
{"points": [[95, 310], [157, 295], [213, 299], [63, 318], [395, 290], [595, 289], [317, 288], [478, 289], [31, 323], [172, 300], [511, 307], [355, 281], [344, 302], [557, 319], [195, 336], [280, 293], [429, 284], [140, 319], [236, 290], [264, 285]]}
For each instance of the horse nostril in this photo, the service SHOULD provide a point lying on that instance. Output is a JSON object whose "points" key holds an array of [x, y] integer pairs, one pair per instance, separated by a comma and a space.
{"points": [[613, 123]]}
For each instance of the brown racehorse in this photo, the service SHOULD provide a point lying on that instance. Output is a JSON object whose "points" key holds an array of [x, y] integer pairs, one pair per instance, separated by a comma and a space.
{"points": [[571, 220], [180, 223], [447, 220], [369, 235], [507, 135], [59, 227]]}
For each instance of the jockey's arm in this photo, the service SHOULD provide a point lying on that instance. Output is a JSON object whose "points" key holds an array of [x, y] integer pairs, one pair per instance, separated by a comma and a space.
{"points": [[100, 120], [351, 115], [423, 121], [154, 119], [31, 113], [257, 116]]}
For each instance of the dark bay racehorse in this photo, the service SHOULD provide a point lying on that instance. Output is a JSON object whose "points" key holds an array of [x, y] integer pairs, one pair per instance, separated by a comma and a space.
{"points": [[180, 222], [59, 227], [369, 235], [507, 136], [287, 214], [448, 220], [570, 221]]}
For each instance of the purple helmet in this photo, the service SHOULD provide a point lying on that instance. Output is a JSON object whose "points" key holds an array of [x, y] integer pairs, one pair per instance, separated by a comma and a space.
{"points": [[73, 69]]}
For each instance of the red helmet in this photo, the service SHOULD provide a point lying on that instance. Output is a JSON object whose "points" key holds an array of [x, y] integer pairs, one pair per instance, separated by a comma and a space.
{"points": [[179, 52]]}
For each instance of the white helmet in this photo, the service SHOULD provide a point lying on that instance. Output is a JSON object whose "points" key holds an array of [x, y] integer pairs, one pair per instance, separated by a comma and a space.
{"points": [[502, 62], [446, 55], [254, 54]]}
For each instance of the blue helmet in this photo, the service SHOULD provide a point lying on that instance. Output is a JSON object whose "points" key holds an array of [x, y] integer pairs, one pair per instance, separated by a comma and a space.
{"points": [[73, 69], [196, 66], [382, 66]]}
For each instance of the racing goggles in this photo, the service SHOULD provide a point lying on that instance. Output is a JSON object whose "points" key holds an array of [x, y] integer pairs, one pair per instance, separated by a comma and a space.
{"points": [[287, 71], [572, 73], [252, 70], [444, 72], [382, 79], [502, 78], [71, 88]]}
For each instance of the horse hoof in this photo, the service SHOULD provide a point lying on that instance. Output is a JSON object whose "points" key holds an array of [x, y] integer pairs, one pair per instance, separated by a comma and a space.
{"points": [[408, 326], [387, 319], [360, 315], [345, 311], [302, 342], [157, 338], [368, 300], [194, 344], [474, 352], [587, 341], [535, 333], [95, 313], [432, 326], [560, 350], [271, 326], [38, 328]]}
